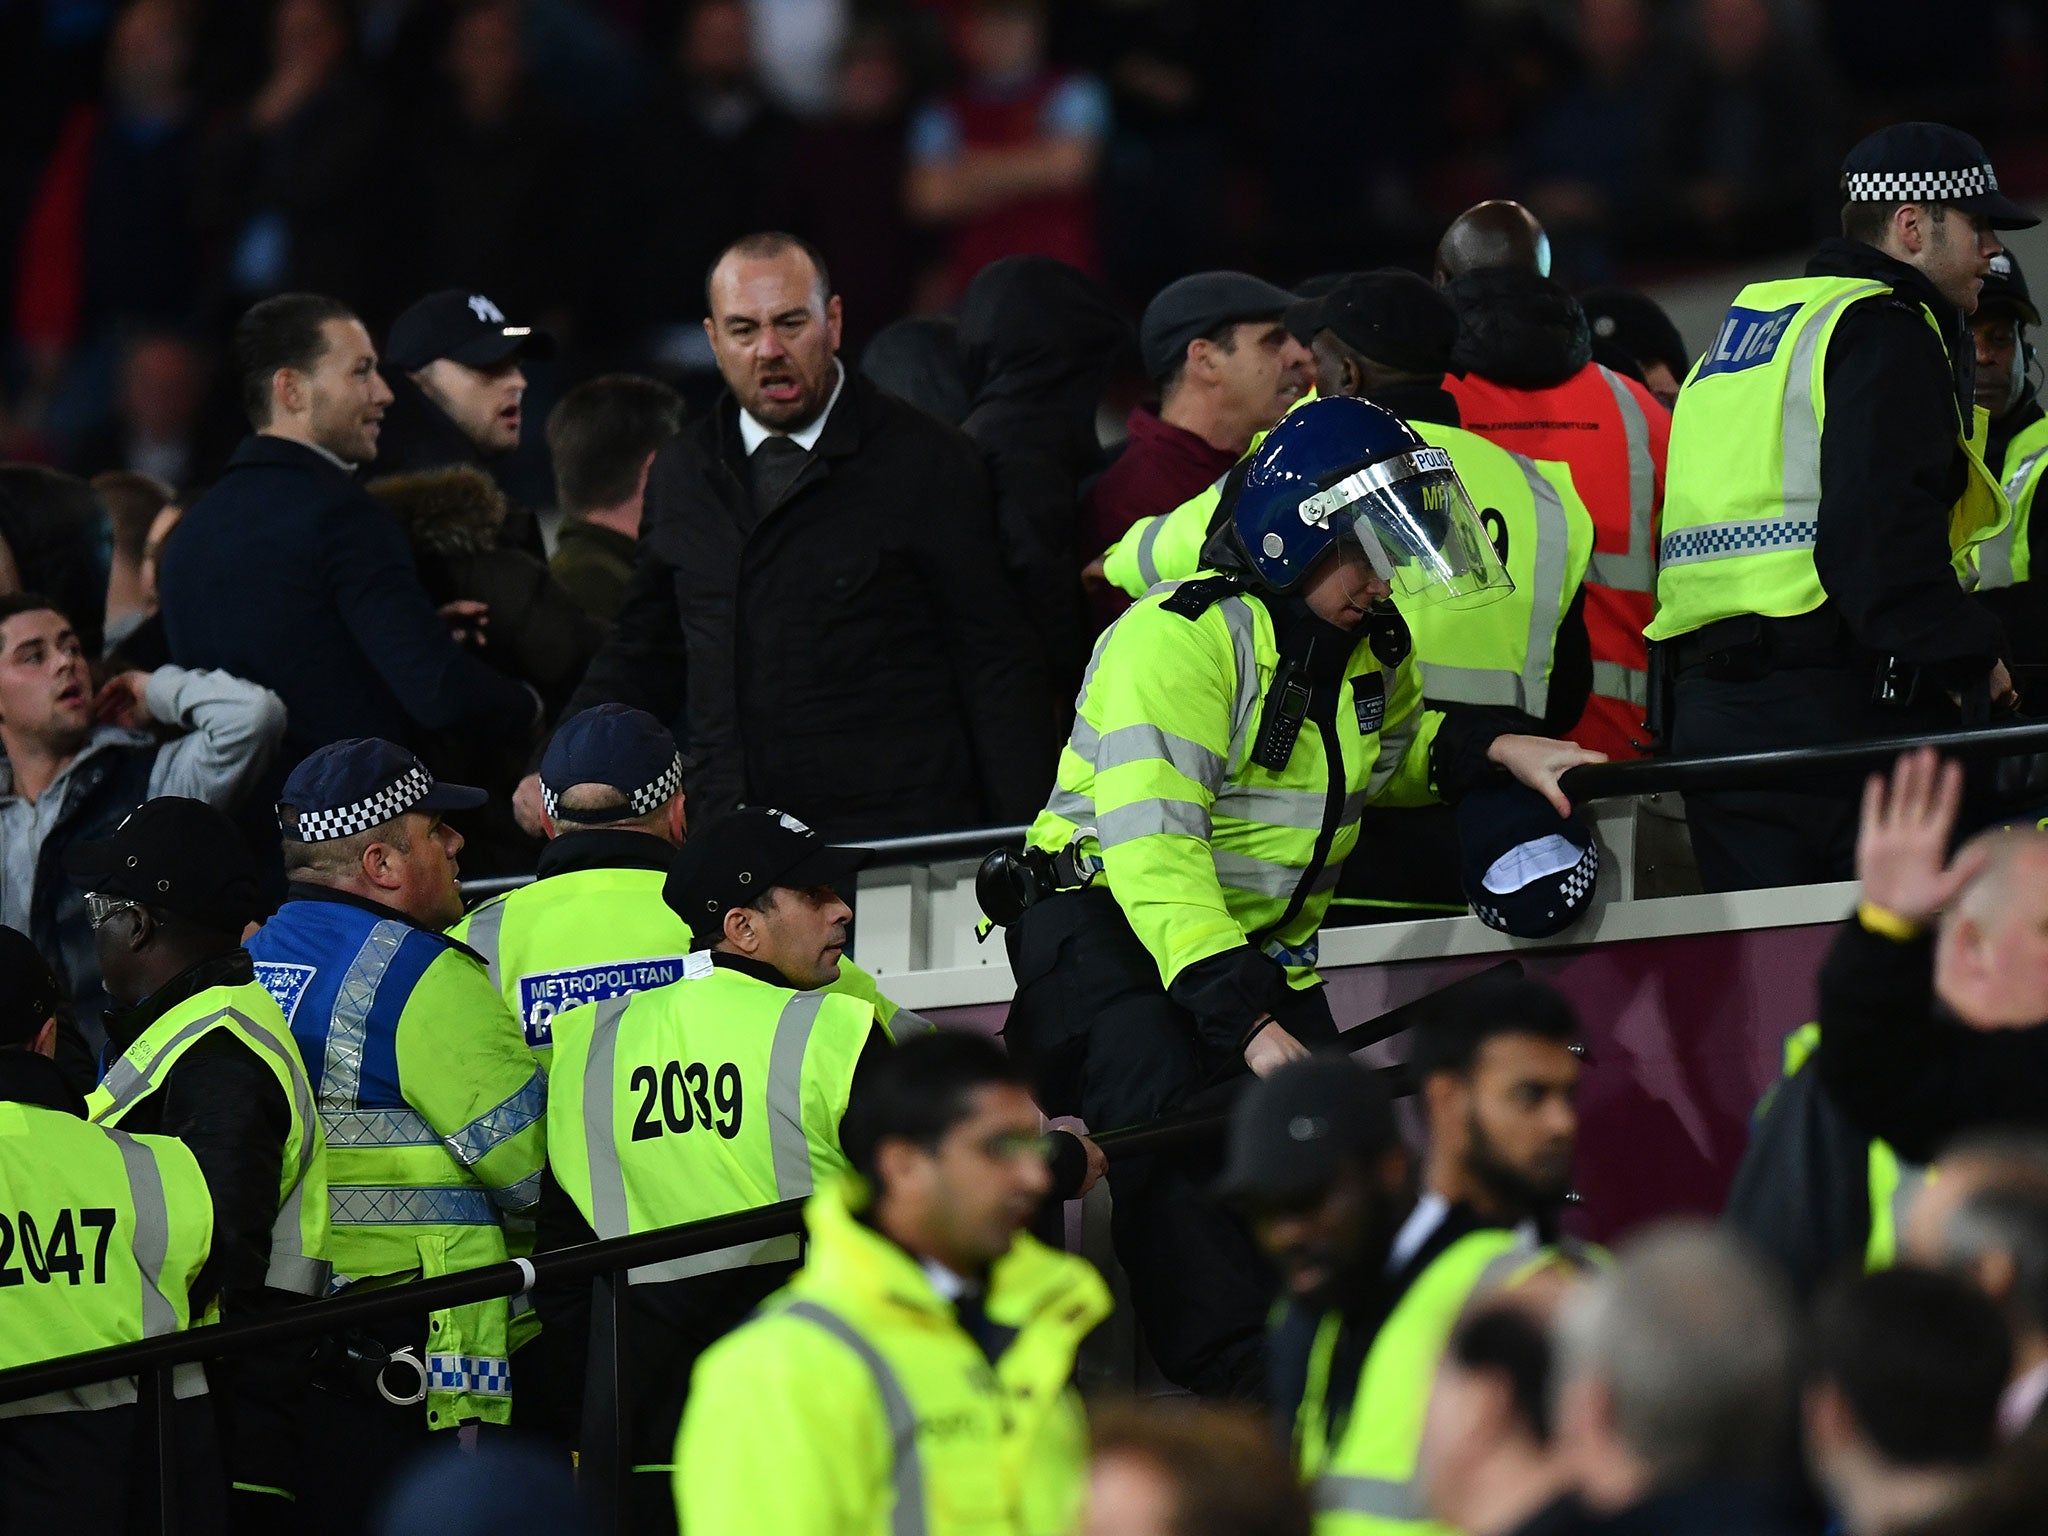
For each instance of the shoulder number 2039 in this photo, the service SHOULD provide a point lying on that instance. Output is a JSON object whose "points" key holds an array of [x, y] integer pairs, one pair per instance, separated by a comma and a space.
{"points": [[682, 1097]]}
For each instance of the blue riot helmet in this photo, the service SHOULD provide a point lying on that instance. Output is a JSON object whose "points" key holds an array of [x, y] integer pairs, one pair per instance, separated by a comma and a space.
{"points": [[1341, 467]]}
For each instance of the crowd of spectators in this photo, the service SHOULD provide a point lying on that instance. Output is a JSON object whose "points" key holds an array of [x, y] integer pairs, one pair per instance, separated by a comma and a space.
{"points": [[164, 165]]}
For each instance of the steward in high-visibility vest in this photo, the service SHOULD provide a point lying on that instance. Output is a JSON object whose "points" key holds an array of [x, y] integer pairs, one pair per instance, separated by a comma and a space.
{"points": [[106, 1238], [2017, 452], [433, 1106], [916, 1375], [593, 926], [1355, 1348], [204, 1056], [1825, 490], [1524, 377], [1231, 729]]}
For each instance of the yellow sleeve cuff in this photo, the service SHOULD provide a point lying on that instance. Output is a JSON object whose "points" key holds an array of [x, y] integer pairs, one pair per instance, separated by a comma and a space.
{"points": [[1882, 920]]}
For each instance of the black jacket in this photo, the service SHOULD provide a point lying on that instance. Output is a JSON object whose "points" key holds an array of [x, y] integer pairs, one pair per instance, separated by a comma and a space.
{"points": [[1037, 341], [859, 658], [289, 574], [1517, 329], [1571, 668], [1891, 469], [1902, 1067]]}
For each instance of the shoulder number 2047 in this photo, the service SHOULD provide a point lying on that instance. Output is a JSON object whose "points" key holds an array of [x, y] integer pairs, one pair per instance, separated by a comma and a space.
{"points": [[680, 1097]]}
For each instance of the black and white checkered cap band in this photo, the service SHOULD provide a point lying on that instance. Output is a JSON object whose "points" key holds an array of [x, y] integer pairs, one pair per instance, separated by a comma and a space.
{"points": [[393, 800], [646, 798], [1918, 186]]}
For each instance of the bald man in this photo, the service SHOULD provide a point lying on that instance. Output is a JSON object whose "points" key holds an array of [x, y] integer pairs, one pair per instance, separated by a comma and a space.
{"points": [[1984, 1214], [1933, 999], [1524, 377]]}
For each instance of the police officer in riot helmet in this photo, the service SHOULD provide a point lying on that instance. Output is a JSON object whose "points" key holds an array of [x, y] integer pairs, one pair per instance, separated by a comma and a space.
{"points": [[2016, 451], [1163, 921]]}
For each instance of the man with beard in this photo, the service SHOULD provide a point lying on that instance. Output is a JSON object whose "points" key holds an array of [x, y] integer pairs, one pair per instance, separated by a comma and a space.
{"points": [[821, 561], [2016, 451], [1375, 1277]]}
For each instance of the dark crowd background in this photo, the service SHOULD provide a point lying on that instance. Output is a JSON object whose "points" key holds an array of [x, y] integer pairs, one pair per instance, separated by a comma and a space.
{"points": [[165, 163]]}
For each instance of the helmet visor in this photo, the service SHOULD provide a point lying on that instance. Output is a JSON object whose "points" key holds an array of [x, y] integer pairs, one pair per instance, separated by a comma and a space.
{"points": [[1418, 528]]}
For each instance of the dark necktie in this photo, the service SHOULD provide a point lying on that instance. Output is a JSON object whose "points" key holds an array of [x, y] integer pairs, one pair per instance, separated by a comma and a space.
{"points": [[773, 468]]}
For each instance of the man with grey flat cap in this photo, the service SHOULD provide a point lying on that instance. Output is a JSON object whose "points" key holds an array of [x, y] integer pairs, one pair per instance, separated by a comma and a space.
{"points": [[1226, 369], [1825, 490]]}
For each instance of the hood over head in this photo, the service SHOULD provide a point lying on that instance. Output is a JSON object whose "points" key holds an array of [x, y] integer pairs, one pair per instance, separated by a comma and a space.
{"points": [[1518, 329]]}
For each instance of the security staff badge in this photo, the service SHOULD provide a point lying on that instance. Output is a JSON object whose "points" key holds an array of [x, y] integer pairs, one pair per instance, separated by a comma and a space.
{"points": [[1369, 697]]}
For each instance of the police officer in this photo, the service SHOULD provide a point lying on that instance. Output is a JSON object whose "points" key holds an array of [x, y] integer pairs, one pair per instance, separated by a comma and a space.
{"points": [[917, 1374], [1228, 734], [1375, 1277], [2017, 452], [432, 1104], [1825, 485], [108, 1236], [717, 1093], [593, 925], [206, 1057], [1386, 336]]}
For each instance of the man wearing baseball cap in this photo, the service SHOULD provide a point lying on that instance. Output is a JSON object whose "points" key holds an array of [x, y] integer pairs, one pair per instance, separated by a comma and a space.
{"points": [[453, 363], [1373, 1276], [2017, 453], [206, 1056], [593, 925], [432, 1104], [718, 1093], [1825, 486], [140, 1224]]}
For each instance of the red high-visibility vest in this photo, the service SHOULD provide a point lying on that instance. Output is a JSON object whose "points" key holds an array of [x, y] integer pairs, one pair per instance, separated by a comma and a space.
{"points": [[1614, 434]]}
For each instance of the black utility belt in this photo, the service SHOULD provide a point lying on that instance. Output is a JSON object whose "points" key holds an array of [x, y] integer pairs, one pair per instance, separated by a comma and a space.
{"points": [[1750, 647], [1009, 882]]}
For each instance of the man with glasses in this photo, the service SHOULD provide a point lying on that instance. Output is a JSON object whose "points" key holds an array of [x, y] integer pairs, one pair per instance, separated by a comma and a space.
{"points": [[205, 1056]]}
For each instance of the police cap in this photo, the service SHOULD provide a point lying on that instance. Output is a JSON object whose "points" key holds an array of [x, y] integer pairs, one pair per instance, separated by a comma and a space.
{"points": [[1391, 316], [615, 745], [175, 855], [1525, 869], [741, 857], [1197, 305], [351, 786], [1291, 1132], [463, 327], [1929, 163], [28, 989], [2005, 292]]}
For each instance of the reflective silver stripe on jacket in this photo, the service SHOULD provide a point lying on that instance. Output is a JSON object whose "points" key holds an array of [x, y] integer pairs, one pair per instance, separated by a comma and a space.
{"points": [[129, 1084], [1244, 654], [903, 1024], [1634, 570], [1152, 818], [1263, 877], [152, 1243], [1144, 743], [1269, 806], [791, 1149], [377, 1128], [1377, 1497], [375, 1205], [493, 1128], [1614, 680], [1994, 555], [906, 1472], [1148, 572], [485, 924]]}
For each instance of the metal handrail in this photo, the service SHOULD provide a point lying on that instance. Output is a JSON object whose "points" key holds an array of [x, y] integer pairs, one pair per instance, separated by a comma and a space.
{"points": [[516, 1277]]}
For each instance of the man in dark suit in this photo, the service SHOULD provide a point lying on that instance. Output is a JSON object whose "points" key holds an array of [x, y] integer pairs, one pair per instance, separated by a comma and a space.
{"points": [[289, 574], [821, 560]]}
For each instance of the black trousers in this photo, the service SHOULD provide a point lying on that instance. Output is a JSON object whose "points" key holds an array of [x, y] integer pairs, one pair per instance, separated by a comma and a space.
{"points": [[355, 1443], [1099, 1036], [1802, 833], [76, 1472]]}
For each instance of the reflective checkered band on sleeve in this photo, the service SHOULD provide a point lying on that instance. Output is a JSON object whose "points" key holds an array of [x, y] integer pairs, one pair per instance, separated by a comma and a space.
{"points": [[393, 800], [1711, 541], [483, 1375], [646, 798], [1918, 186]]}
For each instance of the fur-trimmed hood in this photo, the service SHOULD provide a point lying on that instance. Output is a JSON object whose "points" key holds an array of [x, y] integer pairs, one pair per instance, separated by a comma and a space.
{"points": [[458, 510]]}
